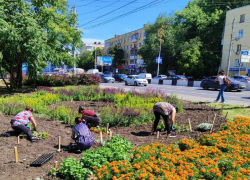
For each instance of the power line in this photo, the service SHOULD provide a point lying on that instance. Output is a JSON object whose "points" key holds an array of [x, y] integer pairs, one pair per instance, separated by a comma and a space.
{"points": [[88, 3], [109, 12], [128, 13], [100, 8]]}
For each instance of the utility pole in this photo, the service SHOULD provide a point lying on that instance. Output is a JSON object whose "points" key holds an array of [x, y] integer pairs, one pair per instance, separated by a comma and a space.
{"points": [[230, 46], [74, 52], [158, 68], [95, 59]]}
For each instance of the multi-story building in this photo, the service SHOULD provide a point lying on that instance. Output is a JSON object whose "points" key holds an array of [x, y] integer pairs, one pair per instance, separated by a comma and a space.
{"points": [[236, 44], [130, 42], [92, 47]]}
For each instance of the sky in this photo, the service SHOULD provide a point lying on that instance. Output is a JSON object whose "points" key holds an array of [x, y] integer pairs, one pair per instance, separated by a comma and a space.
{"points": [[100, 20]]}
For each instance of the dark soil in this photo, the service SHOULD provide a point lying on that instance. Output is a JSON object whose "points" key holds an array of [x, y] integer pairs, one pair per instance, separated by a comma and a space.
{"points": [[139, 135]]}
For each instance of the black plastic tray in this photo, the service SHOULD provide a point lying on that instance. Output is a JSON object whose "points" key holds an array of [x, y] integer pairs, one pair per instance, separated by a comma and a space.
{"points": [[42, 159]]}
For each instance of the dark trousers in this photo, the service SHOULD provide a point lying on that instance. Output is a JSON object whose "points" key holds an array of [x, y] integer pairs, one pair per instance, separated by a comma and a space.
{"points": [[23, 128], [166, 121], [93, 121]]}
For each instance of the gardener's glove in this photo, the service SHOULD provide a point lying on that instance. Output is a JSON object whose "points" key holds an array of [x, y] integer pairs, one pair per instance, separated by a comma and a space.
{"points": [[35, 129]]}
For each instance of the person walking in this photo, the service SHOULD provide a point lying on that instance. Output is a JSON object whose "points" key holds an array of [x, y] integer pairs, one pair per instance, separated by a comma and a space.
{"points": [[220, 77], [165, 109], [21, 120], [82, 135], [90, 116]]}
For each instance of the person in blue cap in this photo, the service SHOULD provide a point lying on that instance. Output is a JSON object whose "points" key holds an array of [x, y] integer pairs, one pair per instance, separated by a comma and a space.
{"points": [[165, 109]]}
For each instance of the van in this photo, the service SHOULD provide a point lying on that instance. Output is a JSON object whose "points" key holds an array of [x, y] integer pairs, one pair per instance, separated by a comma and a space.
{"points": [[93, 71], [147, 76]]}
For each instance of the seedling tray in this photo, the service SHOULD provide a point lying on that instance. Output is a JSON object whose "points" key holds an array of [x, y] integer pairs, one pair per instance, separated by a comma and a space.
{"points": [[42, 159]]}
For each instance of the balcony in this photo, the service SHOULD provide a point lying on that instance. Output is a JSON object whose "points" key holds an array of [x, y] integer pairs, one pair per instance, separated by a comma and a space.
{"points": [[134, 40], [133, 51]]}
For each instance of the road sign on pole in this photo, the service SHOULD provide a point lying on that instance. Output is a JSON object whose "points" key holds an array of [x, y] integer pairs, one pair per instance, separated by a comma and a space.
{"points": [[158, 60], [245, 56]]}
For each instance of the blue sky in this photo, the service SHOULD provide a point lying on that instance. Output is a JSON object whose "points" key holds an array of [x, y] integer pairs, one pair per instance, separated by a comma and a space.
{"points": [[102, 19]]}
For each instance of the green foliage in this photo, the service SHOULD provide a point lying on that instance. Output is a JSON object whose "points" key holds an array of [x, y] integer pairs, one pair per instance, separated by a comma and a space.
{"points": [[72, 169], [118, 55], [34, 32], [46, 80], [114, 150]]}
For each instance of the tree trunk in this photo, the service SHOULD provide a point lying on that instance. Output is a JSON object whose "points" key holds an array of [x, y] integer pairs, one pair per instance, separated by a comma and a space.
{"points": [[1, 73], [19, 75]]}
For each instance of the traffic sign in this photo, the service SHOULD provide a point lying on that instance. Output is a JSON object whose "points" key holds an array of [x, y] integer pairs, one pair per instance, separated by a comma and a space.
{"points": [[245, 56], [158, 60]]}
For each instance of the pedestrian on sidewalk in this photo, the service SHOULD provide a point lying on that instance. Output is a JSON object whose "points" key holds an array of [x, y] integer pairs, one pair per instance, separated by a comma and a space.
{"points": [[165, 109], [220, 77]]}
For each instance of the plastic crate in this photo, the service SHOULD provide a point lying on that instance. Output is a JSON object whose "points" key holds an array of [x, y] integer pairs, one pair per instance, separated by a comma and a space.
{"points": [[42, 159]]}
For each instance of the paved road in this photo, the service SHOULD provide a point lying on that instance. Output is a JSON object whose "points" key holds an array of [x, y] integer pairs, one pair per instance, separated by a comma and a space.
{"points": [[190, 93]]}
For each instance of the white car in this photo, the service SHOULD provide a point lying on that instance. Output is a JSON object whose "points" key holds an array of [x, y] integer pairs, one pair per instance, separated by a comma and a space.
{"points": [[160, 77], [135, 80]]}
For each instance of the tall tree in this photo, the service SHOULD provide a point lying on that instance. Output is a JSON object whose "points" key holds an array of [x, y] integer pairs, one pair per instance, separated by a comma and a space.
{"points": [[35, 32], [118, 55], [86, 60]]}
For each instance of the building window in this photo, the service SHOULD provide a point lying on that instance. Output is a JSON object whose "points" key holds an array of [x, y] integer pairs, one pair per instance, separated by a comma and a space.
{"points": [[144, 35], [238, 47], [121, 40], [127, 55], [237, 62], [128, 39], [89, 48], [127, 47], [242, 18], [124, 40], [240, 35]]}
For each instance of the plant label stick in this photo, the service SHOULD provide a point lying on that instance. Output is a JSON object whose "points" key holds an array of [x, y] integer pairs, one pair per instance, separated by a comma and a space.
{"points": [[54, 116], [69, 120], [107, 128], [190, 124], [158, 134], [16, 154], [226, 115], [59, 143], [221, 109], [110, 134], [101, 136], [18, 139], [56, 164], [213, 123]]}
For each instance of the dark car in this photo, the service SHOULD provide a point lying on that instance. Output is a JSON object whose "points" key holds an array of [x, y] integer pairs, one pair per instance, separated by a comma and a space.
{"points": [[120, 77], [209, 83], [176, 77]]}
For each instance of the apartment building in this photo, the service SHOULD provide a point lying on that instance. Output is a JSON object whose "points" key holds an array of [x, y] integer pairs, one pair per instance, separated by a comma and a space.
{"points": [[235, 51], [130, 42], [92, 47]]}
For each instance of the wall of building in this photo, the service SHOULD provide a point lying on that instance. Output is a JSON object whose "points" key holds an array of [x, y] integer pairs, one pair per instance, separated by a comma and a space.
{"points": [[130, 42], [240, 40]]}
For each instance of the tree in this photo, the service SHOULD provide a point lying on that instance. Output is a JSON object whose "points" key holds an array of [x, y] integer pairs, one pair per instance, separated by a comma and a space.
{"points": [[86, 60], [35, 32], [118, 55]]}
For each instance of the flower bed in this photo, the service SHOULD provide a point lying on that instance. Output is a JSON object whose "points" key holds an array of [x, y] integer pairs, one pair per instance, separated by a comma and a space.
{"points": [[221, 155]]}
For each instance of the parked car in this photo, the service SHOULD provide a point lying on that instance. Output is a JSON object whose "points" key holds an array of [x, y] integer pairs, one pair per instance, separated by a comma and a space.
{"points": [[146, 75], [108, 73], [176, 77], [208, 83], [92, 71], [244, 79], [120, 77], [135, 80], [107, 78], [160, 77]]}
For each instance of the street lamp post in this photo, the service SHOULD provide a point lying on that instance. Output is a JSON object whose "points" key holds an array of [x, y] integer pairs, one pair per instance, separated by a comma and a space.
{"points": [[158, 62], [230, 46]]}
